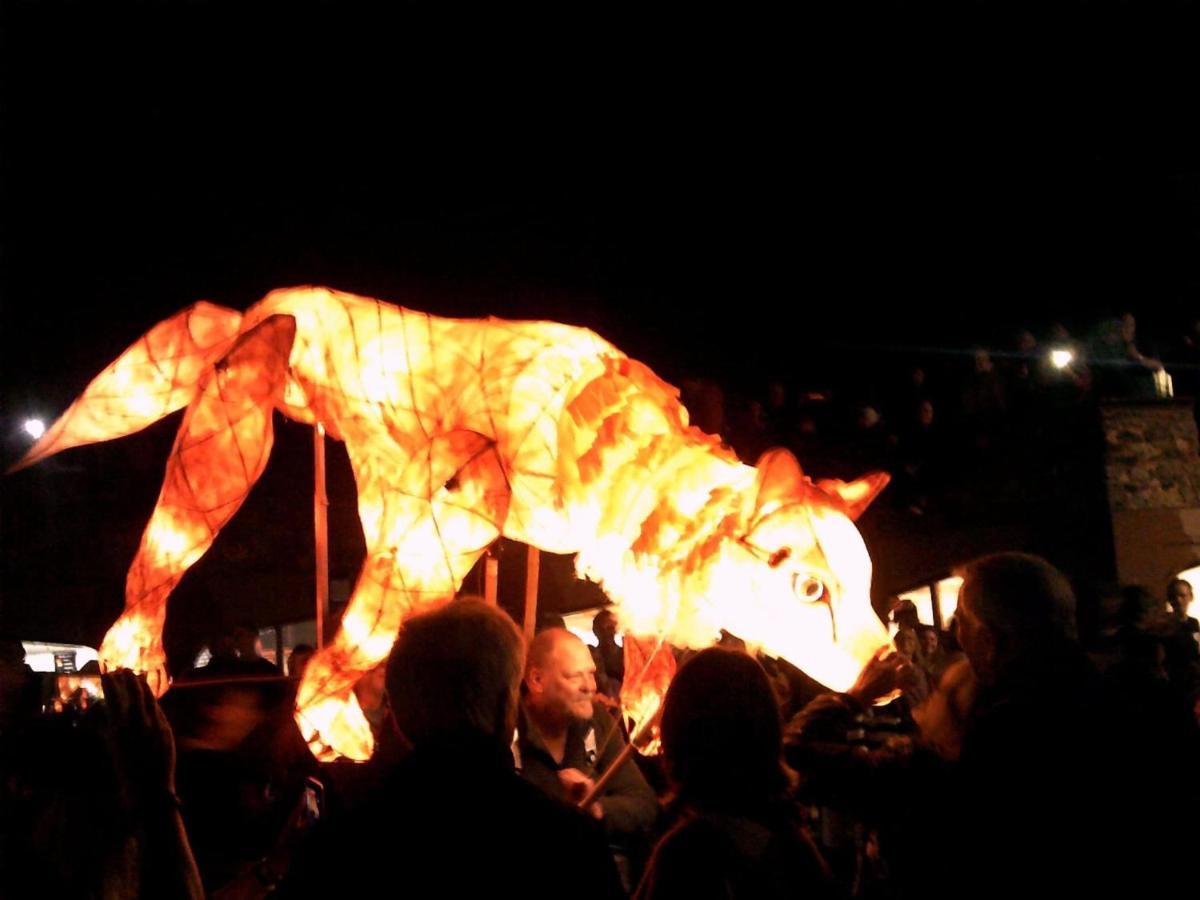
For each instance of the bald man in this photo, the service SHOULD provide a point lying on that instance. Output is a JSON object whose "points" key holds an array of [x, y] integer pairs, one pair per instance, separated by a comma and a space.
{"points": [[566, 742]]}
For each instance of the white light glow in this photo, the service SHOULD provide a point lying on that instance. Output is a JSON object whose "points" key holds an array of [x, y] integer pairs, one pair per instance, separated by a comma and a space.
{"points": [[1192, 577], [39, 656]]}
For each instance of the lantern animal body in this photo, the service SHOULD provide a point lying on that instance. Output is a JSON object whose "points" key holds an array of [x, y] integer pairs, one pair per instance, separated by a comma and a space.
{"points": [[458, 432]]}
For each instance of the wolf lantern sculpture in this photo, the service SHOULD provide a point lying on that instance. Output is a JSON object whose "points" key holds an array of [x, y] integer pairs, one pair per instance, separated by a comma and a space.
{"points": [[458, 432]]}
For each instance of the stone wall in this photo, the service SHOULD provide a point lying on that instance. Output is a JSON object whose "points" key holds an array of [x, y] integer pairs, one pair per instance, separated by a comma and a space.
{"points": [[1152, 469], [1151, 456]]}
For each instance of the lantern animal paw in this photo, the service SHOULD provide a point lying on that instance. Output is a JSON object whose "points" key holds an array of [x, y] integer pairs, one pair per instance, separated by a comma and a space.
{"points": [[134, 644], [335, 727], [458, 432]]}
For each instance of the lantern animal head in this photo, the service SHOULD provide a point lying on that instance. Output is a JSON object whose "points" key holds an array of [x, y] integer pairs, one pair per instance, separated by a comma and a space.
{"points": [[774, 559], [808, 599]]}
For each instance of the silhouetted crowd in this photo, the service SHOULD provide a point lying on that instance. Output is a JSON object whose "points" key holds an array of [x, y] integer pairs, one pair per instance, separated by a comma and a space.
{"points": [[943, 421], [1010, 753]]}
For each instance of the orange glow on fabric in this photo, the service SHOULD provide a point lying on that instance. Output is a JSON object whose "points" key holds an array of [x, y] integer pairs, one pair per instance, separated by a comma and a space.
{"points": [[649, 668], [458, 432]]}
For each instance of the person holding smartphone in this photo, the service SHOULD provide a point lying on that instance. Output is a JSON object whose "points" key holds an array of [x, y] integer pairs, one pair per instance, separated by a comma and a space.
{"points": [[91, 808]]}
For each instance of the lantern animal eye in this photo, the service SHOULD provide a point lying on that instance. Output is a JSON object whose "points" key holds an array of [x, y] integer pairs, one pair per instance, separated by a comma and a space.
{"points": [[807, 588]]}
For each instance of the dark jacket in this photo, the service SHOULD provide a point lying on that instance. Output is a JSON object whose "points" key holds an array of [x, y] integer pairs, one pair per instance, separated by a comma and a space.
{"points": [[455, 820], [630, 806], [725, 857], [1062, 786]]}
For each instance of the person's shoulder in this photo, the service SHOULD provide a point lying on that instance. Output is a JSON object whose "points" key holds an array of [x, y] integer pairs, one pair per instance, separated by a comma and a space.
{"points": [[541, 811], [693, 833], [423, 820], [695, 848], [571, 845], [504, 800]]}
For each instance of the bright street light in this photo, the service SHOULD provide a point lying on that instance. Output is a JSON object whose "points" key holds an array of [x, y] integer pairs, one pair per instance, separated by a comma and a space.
{"points": [[1061, 358]]}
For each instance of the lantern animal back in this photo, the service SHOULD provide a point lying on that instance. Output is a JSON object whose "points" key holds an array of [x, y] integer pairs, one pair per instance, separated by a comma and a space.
{"points": [[458, 432]]}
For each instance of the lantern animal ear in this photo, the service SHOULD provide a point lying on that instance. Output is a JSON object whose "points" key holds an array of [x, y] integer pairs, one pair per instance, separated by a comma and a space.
{"points": [[779, 481], [858, 494]]}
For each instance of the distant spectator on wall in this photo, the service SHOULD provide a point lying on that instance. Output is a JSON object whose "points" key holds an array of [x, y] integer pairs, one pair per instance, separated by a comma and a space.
{"points": [[1064, 368], [919, 460], [1122, 369], [983, 403]]}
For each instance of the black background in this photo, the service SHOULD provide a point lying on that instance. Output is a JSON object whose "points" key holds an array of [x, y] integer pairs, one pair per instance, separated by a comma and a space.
{"points": [[738, 195]]}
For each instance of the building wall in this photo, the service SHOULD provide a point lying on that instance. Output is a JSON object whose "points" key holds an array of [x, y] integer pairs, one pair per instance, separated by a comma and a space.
{"points": [[1152, 472]]}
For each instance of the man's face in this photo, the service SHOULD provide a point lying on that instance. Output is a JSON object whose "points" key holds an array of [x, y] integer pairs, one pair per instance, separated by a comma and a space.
{"points": [[1180, 598], [245, 642], [569, 680], [929, 641]]}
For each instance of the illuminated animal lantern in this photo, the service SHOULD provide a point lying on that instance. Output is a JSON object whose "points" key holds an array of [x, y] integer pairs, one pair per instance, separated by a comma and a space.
{"points": [[458, 432]]}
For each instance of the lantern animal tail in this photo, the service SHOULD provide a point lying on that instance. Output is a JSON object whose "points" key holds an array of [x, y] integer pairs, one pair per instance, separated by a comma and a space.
{"points": [[220, 451], [157, 375]]}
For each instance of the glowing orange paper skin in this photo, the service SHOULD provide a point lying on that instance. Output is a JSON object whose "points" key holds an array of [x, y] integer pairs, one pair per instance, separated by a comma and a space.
{"points": [[458, 432]]}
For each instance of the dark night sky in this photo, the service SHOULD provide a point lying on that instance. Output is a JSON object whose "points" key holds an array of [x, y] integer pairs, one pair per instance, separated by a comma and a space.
{"points": [[742, 198]]}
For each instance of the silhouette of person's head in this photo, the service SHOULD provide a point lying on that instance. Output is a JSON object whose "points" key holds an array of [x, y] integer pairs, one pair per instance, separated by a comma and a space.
{"points": [[456, 671], [299, 659], [904, 614], [604, 626], [1013, 608], [1179, 597], [245, 640], [721, 733]]}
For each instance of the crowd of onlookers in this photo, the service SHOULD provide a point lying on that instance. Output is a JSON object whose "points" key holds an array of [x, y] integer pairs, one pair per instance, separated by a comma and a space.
{"points": [[938, 420], [1014, 751]]}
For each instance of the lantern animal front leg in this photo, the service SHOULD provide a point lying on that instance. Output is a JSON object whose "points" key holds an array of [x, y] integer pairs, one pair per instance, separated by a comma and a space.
{"points": [[425, 530], [220, 451]]}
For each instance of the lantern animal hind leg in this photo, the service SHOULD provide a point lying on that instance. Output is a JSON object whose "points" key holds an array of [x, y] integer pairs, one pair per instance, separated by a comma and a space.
{"points": [[424, 531], [220, 451]]}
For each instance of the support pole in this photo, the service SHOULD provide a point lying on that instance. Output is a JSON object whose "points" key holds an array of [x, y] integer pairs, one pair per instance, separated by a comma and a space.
{"points": [[532, 561], [491, 575], [321, 531], [627, 751]]}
